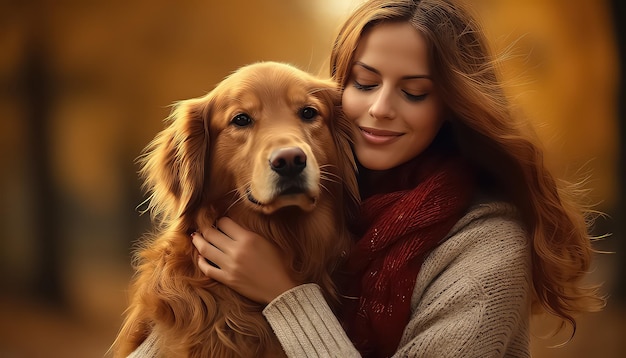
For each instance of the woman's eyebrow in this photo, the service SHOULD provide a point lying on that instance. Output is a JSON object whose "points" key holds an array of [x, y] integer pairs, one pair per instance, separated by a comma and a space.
{"points": [[408, 77], [369, 68]]}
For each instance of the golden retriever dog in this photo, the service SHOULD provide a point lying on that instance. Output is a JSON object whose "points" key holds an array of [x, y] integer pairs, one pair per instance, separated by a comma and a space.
{"points": [[268, 147]]}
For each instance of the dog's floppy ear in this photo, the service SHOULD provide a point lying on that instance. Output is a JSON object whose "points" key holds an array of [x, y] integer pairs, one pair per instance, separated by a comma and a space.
{"points": [[173, 165]]}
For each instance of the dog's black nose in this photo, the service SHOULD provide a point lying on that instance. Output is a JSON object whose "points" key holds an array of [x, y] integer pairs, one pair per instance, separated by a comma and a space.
{"points": [[289, 161]]}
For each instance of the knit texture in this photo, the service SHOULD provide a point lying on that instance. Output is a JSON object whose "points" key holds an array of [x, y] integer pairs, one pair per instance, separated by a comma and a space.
{"points": [[400, 228], [147, 349], [471, 297], [307, 325]]}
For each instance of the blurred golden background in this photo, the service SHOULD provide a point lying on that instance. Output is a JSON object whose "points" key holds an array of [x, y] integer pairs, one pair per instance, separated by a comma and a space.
{"points": [[84, 86]]}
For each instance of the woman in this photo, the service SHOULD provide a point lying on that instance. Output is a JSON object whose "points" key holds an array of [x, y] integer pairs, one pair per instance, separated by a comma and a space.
{"points": [[462, 227]]}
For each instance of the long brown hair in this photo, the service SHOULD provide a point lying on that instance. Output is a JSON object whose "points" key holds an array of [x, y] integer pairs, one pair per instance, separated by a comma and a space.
{"points": [[486, 132]]}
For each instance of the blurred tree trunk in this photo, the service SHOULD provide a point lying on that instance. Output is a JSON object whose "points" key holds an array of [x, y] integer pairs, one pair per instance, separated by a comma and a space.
{"points": [[36, 84]]}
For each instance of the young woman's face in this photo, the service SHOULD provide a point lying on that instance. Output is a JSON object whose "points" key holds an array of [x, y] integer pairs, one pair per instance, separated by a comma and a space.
{"points": [[391, 98]]}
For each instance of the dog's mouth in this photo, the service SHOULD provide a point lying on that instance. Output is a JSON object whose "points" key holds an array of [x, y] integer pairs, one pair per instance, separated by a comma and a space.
{"points": [[290, 196]]}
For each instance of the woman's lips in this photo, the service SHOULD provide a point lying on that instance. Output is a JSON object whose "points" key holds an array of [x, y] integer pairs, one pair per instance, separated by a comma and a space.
{"points": [[378, 136]]}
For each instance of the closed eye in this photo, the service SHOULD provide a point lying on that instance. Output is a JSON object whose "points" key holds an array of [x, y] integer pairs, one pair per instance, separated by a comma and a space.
{"points": [[362, 87], [415, 98]]}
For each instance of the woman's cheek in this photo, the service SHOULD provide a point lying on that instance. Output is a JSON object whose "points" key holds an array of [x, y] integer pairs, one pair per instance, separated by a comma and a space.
{"points": [[352, 103]]}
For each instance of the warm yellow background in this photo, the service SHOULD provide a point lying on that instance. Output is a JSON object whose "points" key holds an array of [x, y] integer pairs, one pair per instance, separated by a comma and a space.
{"points": [[113, 68]]}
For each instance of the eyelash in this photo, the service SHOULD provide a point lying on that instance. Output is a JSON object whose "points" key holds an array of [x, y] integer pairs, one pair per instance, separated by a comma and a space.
{"points": [[414, 98], [410, 97], [361, 87]]}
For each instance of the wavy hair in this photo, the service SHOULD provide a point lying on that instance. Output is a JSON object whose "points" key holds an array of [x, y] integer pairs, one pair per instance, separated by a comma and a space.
{"points": [[507, 156]]}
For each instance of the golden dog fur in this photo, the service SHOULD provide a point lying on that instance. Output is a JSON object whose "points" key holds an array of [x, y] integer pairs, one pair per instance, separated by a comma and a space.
{"points": [[215, 158]]}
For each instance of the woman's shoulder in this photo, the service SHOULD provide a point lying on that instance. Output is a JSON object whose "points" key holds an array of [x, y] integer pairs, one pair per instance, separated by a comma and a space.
{"points": [[485, 212], [489, 239], [488, 222], [474, 286]]}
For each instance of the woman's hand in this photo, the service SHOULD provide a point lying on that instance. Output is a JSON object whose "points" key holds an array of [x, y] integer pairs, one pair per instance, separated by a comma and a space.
{"points": [[246, 262]]}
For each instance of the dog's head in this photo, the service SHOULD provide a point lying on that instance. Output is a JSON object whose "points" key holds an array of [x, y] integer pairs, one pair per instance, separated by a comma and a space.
{"points": [[267, 137]]}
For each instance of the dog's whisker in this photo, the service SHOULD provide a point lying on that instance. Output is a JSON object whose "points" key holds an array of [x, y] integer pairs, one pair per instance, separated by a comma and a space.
{"points": [[233, 192], [328, 191], [324, 166], [239, 198], [332, 177], [324, 171], [324, 178], [329, 173]]}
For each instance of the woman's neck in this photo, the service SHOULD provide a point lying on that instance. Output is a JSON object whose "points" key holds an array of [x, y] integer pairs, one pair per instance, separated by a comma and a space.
{"points": [[371, 181], [404, 176]]}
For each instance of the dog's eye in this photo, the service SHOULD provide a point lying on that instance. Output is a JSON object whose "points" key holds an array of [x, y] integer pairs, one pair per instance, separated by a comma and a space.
{"points": [[241, 120], [308, 113]]}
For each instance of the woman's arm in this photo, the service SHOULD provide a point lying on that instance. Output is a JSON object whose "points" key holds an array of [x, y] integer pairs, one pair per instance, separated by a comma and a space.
{"points": [[147, 349], [306, 326], [298, 313], [471, 299]]}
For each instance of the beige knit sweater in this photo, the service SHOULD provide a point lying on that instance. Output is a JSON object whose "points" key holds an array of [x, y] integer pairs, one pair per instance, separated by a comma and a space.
{"points": [[471, 299]]}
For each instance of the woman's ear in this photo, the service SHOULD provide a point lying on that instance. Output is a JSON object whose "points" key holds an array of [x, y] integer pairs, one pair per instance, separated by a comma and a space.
{"points": [[173, 165]]}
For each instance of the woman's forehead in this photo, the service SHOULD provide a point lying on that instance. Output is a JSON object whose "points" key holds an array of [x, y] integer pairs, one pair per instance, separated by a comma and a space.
{"points": [[394, 47]]}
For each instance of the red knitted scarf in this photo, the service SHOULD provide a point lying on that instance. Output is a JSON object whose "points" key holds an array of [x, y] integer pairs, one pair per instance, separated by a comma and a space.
{"points": [[399, 229]]}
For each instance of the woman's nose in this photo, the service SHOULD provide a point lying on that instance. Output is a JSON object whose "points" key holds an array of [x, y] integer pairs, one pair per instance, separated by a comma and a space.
{"points": [[382, 107]]}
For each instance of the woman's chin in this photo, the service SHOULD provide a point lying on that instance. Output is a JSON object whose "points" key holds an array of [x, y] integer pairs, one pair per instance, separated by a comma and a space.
{"points": [[375, 160]]}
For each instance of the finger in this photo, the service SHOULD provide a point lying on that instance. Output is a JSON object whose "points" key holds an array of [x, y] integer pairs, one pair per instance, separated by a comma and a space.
{"points": [[209, 270], [218, 239], [208, 250], [230, 228]]}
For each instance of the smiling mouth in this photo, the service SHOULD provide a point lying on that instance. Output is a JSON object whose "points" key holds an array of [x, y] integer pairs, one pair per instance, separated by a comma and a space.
{"points": [[377, 136]]}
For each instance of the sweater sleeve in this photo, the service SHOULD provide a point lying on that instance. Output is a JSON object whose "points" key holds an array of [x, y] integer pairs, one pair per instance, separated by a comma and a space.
{"points": [[147, 349], [306, 326]]}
